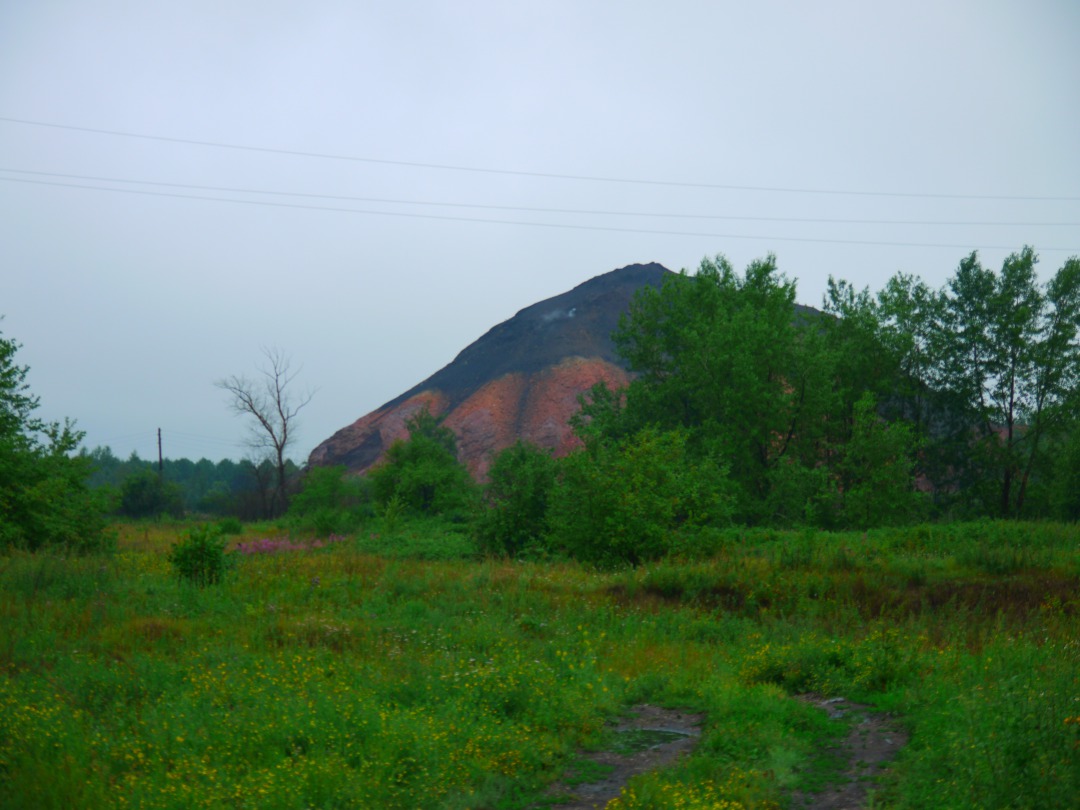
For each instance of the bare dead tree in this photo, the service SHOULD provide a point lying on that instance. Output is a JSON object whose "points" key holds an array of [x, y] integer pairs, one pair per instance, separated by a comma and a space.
{"points": [[272, 408]]}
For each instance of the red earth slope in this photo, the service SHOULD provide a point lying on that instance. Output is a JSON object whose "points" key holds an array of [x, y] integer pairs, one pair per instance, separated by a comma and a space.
{"points": [[520, 380]]}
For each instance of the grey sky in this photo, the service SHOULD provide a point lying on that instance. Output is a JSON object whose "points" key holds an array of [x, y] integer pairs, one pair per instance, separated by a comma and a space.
{"points": [[129, 306]]}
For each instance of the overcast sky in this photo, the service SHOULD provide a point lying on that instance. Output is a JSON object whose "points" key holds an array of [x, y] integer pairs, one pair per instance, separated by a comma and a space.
{"points": [[427, 169]]}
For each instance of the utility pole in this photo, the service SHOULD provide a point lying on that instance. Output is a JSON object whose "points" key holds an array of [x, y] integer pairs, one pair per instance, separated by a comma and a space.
{"points": [[160, 462]]}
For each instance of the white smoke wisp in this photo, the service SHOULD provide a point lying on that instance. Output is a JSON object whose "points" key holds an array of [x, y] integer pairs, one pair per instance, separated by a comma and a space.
{"points": [[558, 315]]}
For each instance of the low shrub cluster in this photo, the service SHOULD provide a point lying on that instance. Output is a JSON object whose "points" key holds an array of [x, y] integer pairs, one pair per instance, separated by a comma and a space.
{"points": [[201, 559], [330, 501]]}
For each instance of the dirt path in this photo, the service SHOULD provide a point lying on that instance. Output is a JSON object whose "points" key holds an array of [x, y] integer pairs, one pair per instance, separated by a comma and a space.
{"points": [[654, 738], [872, 743]]}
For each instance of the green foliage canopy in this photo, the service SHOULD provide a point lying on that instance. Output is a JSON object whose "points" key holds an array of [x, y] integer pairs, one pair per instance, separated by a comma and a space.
{"points": [[145, 495], [993, 377], [724, 357], [330, 500], [520, 484], [626, 501], [44, 498], [423, 473]]}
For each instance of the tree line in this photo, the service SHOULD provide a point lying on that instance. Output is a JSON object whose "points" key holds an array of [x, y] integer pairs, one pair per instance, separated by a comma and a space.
{"points": [[909, 404], [138, 488], [966, 396], [880, 408], [56, 494]]}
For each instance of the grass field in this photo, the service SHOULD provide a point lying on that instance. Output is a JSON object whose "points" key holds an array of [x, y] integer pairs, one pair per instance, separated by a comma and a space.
{"points": [[396, 670]]}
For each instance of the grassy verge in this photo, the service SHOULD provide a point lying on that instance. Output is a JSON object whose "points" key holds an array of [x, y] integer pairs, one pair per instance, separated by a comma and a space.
{"points": [[392, 669]]}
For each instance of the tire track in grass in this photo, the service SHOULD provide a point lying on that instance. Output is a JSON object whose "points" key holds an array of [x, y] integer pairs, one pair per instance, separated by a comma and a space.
{"points": [[650, 737], [872, 743]]}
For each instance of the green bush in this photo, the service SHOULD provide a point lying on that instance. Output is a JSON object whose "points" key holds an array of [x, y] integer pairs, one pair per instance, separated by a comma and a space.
{"points": [[417, 538], [230, 525], [625, 502], [330, 501], [145, 495], [201, 559], [424, 472], [878, 472], [44, 498], [1064, 493], [515, 513]]}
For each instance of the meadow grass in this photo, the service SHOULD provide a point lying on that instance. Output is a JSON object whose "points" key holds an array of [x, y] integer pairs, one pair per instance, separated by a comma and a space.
{"points": [[395, 669]]}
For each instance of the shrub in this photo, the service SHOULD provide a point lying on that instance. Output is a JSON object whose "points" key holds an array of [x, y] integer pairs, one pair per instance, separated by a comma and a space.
{"points": [[624, 502], [145, 495], [201, 558], [515, 517], [878, 471], [44, 498], [330, 501], [1065, 488], [230, 525], [424, 472]]}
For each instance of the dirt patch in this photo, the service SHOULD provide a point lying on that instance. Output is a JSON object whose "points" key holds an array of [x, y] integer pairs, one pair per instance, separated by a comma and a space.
{"points": [[872, 743], [649, 738]]}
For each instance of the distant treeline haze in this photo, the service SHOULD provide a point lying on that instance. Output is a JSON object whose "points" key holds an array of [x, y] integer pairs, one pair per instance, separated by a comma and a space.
{"points": [[225, 488]]}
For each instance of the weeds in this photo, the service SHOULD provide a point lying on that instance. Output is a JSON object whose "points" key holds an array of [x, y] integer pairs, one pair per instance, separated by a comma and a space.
{"points": [[395, 669]]}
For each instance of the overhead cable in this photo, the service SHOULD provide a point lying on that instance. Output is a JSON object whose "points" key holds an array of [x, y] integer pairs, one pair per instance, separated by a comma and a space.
{"points": [[519, 173], [539, 210], [481, 220]]}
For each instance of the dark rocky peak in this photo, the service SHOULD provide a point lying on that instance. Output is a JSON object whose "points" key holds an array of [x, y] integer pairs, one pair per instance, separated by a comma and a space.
{"points": [[521, 379], [577, 323]]}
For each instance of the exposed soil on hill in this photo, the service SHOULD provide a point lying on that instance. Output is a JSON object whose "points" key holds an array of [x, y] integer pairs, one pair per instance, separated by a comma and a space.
{"points": [[521, 379]]}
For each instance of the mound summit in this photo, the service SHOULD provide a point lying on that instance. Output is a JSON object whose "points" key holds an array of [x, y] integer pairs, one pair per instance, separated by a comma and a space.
{"points": [[520, 380]]}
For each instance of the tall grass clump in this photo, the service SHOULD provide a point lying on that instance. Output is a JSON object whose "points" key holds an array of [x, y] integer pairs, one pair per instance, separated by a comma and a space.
{"points": [[999, 728]]}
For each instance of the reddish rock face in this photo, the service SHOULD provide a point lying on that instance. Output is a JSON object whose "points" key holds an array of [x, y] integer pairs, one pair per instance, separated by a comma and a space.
{"points": [[536, 408], [520, 380]]}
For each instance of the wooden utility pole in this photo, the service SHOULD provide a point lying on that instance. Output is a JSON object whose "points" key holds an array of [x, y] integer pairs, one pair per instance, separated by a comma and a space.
{"points": [[160, 461]]}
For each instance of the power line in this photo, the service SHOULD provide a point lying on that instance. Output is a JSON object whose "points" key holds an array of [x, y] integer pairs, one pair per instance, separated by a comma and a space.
{"points": [[540, 210], [480, 220], [518, 173], [188, 437], [140, 435], [197, 437]]}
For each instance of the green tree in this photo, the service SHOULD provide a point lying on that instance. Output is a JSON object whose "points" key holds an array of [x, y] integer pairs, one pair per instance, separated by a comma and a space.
{"points": [[626, 501], [1010, 363], [423, 473], [729, 359], [910, 316], [989, 376], [145, 495], [514, 517], [44, 498], [1064, 488], [1053, 394], [1017, 306], [860, 358], [916, 333], [877, 482], [330, 500]]}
